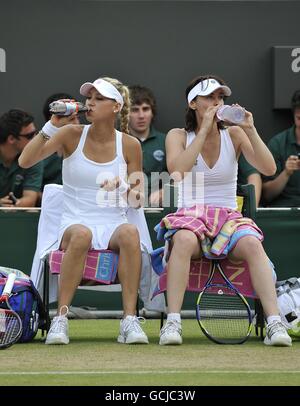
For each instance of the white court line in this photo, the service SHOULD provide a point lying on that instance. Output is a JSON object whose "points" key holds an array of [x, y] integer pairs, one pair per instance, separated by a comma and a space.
{"points": [[142, 372]]}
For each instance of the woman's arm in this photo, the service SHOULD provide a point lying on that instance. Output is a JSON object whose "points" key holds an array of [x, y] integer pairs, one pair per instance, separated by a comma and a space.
{"points": [[134, 157], [180, 160], [40, 147], [252, 146]]}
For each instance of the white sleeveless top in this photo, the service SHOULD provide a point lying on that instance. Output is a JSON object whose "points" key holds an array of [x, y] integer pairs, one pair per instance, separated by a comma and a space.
{"points": [[211, 186], [84, 202]]}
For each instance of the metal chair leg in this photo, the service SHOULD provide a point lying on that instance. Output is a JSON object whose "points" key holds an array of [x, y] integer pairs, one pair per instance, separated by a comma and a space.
{"points": [[260, 319], [46, 271], [137, 307], [162, 314]]}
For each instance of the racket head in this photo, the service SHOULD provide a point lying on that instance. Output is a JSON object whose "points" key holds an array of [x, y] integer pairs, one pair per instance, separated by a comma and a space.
{"points": [[10, 321], [223, 314], [10, 327]]}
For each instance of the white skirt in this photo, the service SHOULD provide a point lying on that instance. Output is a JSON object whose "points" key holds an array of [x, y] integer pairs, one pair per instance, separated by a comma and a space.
{"points": [[101, 233]]}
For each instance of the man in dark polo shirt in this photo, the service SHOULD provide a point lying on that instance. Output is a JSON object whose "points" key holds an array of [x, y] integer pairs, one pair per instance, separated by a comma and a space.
{"points": [[18, 187], [283, 189], [142, 113]]}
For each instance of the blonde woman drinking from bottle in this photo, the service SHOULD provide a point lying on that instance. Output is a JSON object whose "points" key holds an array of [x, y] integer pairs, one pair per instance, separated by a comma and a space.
{"points": [[98, 160]]}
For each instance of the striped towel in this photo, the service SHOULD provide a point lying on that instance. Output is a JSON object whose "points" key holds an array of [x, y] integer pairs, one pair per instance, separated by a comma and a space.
{"points": [[216, 228], [100, 266]]}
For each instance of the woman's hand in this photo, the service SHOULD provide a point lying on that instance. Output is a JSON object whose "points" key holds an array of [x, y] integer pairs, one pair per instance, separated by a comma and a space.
{"points": [[110, 184], [60, 121], [209, 119], [248, 122]]}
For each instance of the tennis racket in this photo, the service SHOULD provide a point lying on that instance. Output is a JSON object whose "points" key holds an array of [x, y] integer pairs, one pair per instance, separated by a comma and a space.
{"points": [[223, 314], [10, 322]]}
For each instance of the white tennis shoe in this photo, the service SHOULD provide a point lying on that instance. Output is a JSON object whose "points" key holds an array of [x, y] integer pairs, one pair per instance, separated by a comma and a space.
{"points": [[277, 335], [59, 330], [131, 332], [171, 333]]}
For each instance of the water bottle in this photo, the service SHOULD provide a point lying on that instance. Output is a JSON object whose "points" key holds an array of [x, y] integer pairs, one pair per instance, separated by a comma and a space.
{"points": [[231, 114], [63, 108]]}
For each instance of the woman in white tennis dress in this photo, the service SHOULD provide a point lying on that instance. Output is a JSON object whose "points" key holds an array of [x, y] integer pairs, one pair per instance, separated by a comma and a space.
{"points": [[98, 160], [203, 148]]}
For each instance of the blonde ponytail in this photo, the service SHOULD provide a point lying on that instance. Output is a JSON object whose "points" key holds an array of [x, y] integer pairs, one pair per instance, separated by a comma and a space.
{"points": [[124, 114]]}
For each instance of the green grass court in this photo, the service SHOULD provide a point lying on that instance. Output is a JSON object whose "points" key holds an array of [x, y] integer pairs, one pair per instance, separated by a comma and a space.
{"points": [[93, 357]]}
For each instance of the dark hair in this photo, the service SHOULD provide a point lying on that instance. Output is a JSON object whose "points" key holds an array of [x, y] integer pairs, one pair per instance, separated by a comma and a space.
{"points": [[12, 122], [190, 115], [295, 103], [141, 94], [52, 98]]}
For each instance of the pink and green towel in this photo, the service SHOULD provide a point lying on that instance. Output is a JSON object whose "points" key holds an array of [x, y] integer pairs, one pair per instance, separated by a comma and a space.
{"points": [[217, 228]]}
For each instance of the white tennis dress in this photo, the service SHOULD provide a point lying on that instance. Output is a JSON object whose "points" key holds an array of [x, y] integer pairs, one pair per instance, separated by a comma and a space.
{"points": [[84, 202], [211, 186]]}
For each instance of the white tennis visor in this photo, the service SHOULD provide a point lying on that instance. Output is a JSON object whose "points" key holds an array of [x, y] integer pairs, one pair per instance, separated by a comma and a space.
{"points": [[206, 87], [103, 87]]}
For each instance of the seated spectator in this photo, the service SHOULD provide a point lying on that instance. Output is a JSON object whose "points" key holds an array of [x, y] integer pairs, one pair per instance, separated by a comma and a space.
{"points": [[18, 187], [142, 114], [283, 189], [53, 164], [247, 174]]}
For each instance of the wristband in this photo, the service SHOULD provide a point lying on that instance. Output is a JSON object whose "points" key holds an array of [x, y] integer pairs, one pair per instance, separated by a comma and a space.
{"points": [[49, 130], [123, 187]]}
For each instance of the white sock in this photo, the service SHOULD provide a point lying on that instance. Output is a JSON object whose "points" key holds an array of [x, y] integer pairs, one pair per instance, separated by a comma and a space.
{"points": [[129, 317], [271, 319], [174, 317]]}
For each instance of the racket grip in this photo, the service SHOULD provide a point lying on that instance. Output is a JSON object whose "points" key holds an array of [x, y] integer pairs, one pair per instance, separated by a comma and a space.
{"points": [[9, 284]]}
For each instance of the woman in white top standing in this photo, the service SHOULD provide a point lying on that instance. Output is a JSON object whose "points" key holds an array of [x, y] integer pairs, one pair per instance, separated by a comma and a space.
{"points": [[203, 147], [98, 160]]}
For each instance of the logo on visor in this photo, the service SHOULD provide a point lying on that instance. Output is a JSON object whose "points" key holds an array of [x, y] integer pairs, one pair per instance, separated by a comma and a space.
{"points": [[206, 83]]}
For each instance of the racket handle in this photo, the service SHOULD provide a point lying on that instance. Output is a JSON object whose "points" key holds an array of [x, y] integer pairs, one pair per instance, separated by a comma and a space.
{"points": [[9, 284]]}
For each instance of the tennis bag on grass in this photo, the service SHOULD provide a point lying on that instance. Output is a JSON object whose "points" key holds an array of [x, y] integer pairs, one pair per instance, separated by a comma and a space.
{"points": [[288, 299], [26, 301]]}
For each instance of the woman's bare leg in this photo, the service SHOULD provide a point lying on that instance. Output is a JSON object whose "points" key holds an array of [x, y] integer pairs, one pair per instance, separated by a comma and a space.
{"points": [[251, 250], [126, 241], [76, 243], [185, 246]]}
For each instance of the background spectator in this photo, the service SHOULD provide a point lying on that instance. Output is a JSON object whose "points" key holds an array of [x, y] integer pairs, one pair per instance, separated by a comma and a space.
{"points": [[142, 114], [18, 186], [283, 189]]}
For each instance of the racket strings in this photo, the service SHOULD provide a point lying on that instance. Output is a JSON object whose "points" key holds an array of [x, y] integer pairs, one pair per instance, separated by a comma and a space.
{"points": [[223, 314], [9, 327]]}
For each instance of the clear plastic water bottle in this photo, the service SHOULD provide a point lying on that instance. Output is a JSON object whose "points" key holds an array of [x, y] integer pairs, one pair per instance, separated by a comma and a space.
{"points": [[63, 108], [231, 114]]}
